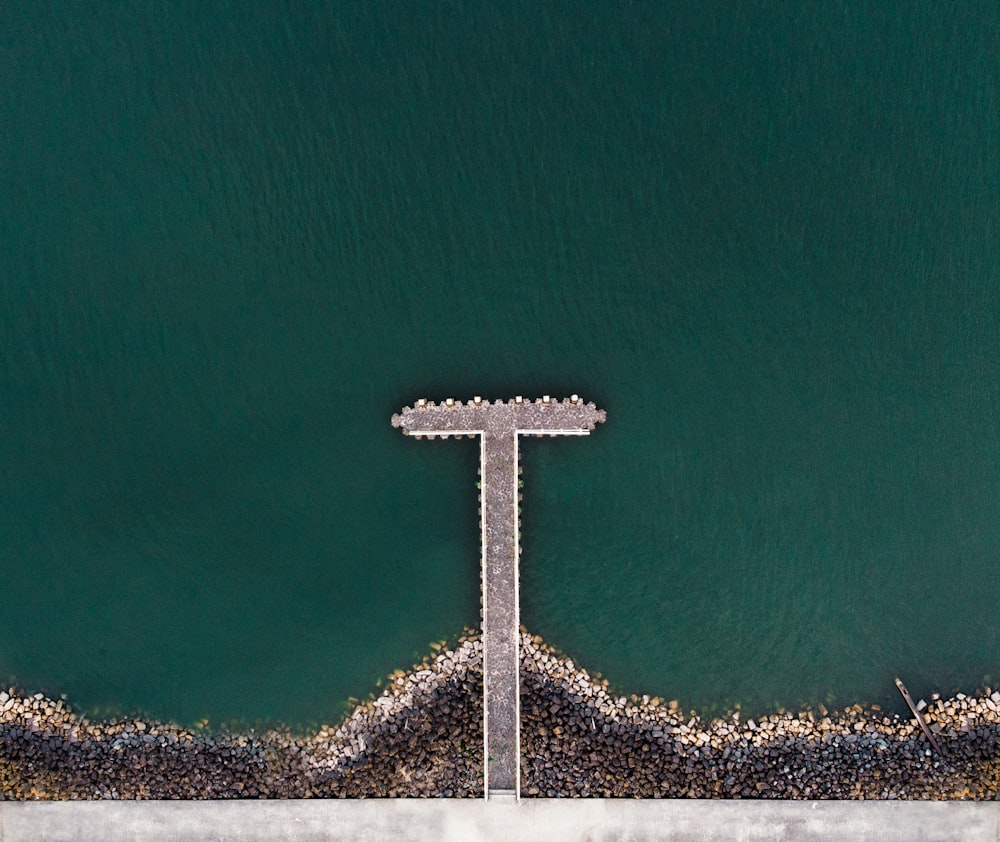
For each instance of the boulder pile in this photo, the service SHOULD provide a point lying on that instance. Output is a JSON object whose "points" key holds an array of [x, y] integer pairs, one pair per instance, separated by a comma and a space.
{"points": [[422, 737], [579, 740]]}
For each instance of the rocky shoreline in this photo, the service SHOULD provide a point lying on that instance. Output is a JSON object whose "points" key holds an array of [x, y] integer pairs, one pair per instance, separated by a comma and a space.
{"points": [[423, 738]]}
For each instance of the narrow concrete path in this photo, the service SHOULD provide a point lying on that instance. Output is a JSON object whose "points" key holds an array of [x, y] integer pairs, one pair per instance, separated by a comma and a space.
{"points": [[501, 614], [473, 820]]}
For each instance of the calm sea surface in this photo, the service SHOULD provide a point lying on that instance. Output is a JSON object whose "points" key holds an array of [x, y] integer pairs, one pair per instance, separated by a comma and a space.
{"points": [[234, 238]]}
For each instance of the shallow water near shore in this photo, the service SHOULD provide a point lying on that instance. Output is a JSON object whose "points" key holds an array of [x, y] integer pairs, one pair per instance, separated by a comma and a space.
{"points": [[236, 242]]}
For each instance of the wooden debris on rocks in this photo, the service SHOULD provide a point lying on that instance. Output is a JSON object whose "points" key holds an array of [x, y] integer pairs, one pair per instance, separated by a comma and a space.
{"points": [[916, 715]]}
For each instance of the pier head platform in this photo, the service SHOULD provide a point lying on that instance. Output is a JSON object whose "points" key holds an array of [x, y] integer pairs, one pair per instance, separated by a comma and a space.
{"points": [[498, 425]]}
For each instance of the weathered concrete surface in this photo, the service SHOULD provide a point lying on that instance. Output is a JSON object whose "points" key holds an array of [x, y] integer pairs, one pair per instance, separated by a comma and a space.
{"points": [[501, 614], [467, 821], [569, 416]]}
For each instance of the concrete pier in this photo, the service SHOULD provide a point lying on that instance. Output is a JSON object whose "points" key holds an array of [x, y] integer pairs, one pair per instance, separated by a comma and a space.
{"points": [[499, 425]]}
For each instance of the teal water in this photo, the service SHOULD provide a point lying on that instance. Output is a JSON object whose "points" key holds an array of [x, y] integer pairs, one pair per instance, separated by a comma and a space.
{"points": [[235, 238]]}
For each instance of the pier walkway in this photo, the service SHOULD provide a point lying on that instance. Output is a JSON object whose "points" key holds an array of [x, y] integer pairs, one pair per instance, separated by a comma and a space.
{"points": [[499, 425]]}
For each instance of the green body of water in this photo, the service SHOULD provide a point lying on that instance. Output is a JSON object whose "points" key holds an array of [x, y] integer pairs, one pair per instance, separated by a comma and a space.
{"points": [[235, 238]]}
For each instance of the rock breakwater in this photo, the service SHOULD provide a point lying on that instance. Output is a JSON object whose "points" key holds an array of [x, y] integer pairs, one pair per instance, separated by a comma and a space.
{"points": [[578, 739], [423, 737]]}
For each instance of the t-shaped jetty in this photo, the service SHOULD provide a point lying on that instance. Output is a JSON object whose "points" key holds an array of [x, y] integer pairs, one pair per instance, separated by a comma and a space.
{"points": [[498, 425]]}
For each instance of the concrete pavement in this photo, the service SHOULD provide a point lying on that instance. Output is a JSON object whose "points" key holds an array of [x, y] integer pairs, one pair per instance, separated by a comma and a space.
{"points": [[593, 820]]}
